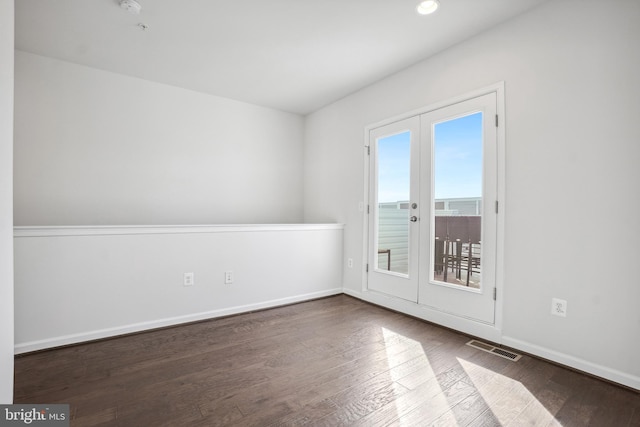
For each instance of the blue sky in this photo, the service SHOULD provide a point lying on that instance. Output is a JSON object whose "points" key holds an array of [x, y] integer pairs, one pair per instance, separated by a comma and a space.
{"points": [[393, 168], [457, 160]]}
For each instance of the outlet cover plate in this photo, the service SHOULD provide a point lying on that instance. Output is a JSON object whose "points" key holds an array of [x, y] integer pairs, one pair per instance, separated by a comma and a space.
{"points": [[559, 307], [189, 279], [228, 277]]}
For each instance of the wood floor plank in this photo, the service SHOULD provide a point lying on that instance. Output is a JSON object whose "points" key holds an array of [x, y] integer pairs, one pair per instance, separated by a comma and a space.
{"points": [[308, 415], [328, 362], [426, 398], [102, 417], [435, 407], [464, 412], [635, 418]]}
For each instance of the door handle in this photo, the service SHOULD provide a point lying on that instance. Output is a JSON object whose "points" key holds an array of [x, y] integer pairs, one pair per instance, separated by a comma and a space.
{"points": [[413, 218]]}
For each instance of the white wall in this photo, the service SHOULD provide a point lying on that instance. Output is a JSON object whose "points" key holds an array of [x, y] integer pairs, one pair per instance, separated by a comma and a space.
{"points": [[6, 201], [93, 147], [571, 71], [80, 283]]}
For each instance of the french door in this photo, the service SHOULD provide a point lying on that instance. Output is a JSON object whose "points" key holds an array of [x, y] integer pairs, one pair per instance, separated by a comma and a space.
{"points": [[433, 202], [393, 261]]}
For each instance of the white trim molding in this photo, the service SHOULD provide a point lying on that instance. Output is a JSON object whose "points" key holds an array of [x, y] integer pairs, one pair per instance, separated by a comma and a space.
{"points": [[490, 333], [74, 284], [573, 362], [467, 326], [166, 322], [120, 230]]}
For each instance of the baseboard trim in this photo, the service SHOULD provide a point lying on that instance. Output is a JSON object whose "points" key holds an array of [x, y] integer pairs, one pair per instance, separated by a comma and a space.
{"points": [[493, 335], [60, 341], [466, 326], [573, 362]]}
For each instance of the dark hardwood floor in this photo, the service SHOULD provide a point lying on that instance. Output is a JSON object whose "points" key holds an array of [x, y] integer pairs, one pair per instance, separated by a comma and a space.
{"points": [[334, 361]]}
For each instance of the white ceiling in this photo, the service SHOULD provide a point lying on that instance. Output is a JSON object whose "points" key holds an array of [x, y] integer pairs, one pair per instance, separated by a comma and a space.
{"points": [[292, 55]]}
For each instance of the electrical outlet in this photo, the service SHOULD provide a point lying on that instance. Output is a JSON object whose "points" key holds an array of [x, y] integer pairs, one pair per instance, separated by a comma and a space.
{"points": [[559, 307], [228, 277], [189, 279], [350, 263]]}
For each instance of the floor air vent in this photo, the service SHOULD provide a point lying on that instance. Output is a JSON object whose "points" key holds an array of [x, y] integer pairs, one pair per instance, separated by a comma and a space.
{"points": [[494, 350]]}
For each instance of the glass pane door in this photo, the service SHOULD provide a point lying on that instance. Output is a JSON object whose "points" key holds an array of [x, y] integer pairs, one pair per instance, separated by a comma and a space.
{"points": [[394, 173], [459, 189], [393, 223], [457, 201]]}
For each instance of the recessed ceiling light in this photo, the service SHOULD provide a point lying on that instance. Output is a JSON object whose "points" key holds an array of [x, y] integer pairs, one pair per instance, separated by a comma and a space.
{"points": [[427, 7]]}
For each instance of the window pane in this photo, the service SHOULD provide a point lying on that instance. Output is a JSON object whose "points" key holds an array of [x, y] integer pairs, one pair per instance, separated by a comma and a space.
{"points": [[393, 202], [457, 201]]}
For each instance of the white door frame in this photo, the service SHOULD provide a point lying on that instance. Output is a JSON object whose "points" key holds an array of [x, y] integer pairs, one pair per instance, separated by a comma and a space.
{"points": [[481, 330]]}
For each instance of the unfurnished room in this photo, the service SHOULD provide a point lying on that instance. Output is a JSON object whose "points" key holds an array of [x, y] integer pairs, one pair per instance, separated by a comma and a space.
{"points": [[353, 213]]}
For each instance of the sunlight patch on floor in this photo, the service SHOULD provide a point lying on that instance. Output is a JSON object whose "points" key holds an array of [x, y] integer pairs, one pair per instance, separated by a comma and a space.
{"points": [[509, 400], [400, 350], [410, 367]]}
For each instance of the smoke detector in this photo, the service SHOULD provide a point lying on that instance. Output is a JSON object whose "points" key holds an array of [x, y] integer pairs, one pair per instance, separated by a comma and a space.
{"points": [[132, 6]]}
